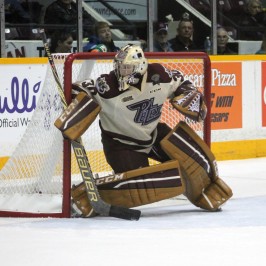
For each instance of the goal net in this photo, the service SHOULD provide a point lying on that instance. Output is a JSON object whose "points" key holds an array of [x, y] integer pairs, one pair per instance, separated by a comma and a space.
{"points": [[36, 180]]}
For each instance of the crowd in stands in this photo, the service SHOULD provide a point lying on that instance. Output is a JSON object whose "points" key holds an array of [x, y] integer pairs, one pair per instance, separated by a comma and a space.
{"points": [[63, 13], [61, 42], [101, 35], [253, 16], [60, 20], [184, 39], [15, 13], [160, 42], [222, 42]]}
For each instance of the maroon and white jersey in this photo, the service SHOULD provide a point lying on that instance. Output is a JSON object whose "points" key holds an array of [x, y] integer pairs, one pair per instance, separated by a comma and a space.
{"points": [[131, 116]]}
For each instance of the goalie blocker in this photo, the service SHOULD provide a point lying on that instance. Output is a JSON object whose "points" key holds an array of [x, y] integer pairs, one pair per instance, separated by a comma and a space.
{"points": [[78, 116]]}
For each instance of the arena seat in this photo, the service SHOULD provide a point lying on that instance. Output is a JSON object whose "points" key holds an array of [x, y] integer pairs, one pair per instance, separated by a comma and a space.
{"points": [[202, 6], [224, 6]]}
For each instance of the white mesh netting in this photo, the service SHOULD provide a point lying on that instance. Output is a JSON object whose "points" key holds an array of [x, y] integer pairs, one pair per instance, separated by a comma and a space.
{"points": [[31, 180]]}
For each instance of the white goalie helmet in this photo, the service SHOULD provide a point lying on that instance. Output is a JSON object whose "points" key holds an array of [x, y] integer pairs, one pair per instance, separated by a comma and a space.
{"points": [[129, 62]]}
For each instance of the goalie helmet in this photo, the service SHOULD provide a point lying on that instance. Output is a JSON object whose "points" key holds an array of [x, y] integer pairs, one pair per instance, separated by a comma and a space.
{"points": [[129, 63]]}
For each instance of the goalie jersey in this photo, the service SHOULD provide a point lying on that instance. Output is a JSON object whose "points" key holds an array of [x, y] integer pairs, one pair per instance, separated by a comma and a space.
{"points": [[131, 116]]}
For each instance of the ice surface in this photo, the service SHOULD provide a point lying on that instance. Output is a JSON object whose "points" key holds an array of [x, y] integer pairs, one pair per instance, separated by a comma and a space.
{"points": [[168, 233]]}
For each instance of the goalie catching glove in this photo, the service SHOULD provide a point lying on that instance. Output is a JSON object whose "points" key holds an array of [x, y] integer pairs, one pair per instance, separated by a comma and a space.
{"points": [[190, 103]]}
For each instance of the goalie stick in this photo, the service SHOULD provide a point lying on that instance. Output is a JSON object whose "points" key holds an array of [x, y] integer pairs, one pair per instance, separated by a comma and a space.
{"points": [[98, 205]]}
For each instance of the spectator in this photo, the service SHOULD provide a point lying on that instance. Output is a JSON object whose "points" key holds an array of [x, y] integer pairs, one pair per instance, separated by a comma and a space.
{"points": [[161, 43], [222, 40], [101, 35], [61, 42], [262, 49], [64, 13], [253, 16], [183, 40], [15, 13]]}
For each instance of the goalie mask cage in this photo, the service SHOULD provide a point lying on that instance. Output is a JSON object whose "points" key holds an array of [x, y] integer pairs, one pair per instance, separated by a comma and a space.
{"points": [[37, 178]]}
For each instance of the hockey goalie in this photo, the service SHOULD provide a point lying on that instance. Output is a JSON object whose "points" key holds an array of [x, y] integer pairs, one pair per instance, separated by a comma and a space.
{"points": [[129, 103]]}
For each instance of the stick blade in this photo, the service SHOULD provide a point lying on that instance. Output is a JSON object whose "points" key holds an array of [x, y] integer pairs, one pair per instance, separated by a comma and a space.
{"points": [[124, 213]]}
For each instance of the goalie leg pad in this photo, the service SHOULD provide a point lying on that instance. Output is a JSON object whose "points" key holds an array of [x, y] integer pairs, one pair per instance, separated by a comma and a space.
{"points": [[78, 116], [203, 187], [134, 188], [214, 195]]}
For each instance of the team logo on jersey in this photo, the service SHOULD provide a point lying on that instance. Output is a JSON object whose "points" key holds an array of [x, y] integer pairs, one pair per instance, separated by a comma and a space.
{"points": [[147, 112], [102, 85], [155, 79]]}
